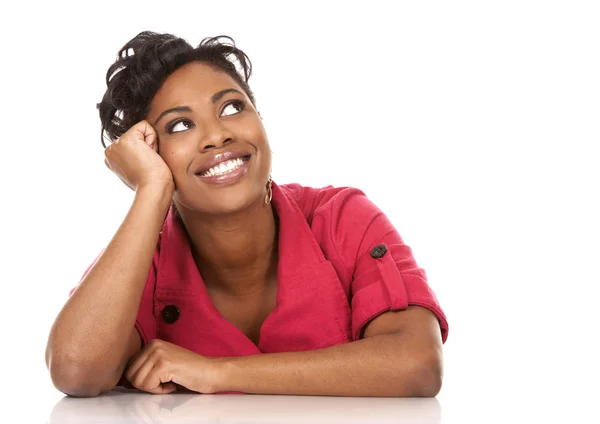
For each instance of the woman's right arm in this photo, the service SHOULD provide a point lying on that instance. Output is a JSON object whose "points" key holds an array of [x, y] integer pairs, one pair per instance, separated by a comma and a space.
{"points": [[93, 336]]}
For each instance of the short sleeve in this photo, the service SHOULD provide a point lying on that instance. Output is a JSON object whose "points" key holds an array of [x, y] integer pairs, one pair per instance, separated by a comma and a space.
{"points": [[145, 322], [385, 275]]}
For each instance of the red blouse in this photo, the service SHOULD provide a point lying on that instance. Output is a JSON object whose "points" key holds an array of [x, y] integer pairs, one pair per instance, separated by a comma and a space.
{"points": [[341, 264]]}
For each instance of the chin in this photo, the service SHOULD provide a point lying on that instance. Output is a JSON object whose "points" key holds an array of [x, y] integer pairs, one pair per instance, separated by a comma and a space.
{"points": [[224, 200], [230, 202]]}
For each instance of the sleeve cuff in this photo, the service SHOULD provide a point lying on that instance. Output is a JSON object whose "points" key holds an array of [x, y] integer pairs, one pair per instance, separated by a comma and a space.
{"points": [[373, 300]]}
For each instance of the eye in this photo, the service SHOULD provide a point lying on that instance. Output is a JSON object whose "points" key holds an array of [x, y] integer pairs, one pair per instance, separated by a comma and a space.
{"points": [[233, 108], [179, 126]]}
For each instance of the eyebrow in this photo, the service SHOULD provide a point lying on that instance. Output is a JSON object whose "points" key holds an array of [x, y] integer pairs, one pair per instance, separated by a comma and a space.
{"points": [[214, 99]]}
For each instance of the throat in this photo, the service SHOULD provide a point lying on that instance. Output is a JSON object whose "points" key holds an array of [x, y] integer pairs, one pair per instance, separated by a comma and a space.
{"points": [[238, 253], [248, 283]]}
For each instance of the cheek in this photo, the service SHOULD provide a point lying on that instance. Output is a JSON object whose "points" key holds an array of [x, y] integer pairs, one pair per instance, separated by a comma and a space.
{"points": [[266, 162], [251, 129], [176, 159], [251, 132], [264, 154]]}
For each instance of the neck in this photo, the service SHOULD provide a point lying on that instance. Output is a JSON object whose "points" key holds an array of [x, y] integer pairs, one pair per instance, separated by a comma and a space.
{"points": [[236, 254]]}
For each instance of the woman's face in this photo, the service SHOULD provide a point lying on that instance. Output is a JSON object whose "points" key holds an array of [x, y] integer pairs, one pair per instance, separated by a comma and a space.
{"points": [[202, 116]]}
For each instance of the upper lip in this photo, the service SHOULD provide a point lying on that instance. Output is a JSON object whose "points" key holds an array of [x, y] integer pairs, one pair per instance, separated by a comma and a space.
{"points": [[220, 157]]}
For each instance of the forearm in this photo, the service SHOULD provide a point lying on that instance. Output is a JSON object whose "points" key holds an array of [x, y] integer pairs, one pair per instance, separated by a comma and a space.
{"points": [[378, 366], [96, 322]]}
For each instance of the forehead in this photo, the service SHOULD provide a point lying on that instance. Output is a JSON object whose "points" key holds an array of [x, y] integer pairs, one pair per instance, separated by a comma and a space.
{"points": [[193, 82]]}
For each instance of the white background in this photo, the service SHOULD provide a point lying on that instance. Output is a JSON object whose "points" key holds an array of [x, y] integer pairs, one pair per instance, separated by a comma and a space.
{"points": [[474, 125]]}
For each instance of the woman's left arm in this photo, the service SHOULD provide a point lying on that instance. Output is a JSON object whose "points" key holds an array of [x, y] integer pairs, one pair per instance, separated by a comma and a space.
{"points": [[400, 355]]}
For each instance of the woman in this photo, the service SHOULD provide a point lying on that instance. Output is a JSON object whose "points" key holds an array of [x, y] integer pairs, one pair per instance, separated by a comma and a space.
{"points": [[219, 280]]}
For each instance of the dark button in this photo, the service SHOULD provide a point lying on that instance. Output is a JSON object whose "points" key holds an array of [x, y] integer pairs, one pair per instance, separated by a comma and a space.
{"points": [[378, 251], [170, 314]]}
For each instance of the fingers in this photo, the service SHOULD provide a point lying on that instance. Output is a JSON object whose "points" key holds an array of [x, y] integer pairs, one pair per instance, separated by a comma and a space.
{"points": [[150, 136], [151, 378], [137, 362], [129, 157], [148, 371], [139, 378], [165, 388], [148, 133], [148, 378]]}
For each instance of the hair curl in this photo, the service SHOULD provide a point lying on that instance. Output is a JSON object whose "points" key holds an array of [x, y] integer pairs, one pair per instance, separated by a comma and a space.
{"points": [[143, 65]]}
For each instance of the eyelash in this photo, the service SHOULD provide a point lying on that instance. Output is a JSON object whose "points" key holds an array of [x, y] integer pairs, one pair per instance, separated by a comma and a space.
{"points": [[239, 103]]}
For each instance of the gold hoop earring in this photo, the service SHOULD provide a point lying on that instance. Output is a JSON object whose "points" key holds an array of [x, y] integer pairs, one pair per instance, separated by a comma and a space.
{"points": [[269, 195]]}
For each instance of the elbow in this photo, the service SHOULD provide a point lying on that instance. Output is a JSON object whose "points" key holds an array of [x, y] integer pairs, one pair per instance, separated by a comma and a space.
{"points": [[75, 379], [427, 378]]}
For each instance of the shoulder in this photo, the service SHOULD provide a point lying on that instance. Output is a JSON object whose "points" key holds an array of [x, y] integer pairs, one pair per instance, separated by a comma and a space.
{"points": [[326, 201], [343, 220]]}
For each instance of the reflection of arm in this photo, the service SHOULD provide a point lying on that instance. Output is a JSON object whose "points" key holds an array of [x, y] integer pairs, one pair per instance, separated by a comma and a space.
{"points": [[136, 407], [301, 409], [69, 409], [93, 336]]}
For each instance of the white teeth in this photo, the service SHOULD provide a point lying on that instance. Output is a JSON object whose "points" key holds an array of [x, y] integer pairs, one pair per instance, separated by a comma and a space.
{"points": [[223, 167]]}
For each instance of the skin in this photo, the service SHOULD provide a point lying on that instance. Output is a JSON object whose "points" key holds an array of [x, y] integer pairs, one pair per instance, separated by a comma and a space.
{"points": [[235, 259], [400, 353]]}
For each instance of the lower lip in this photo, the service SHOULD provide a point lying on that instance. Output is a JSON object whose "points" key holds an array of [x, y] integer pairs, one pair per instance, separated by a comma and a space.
{"points": [[228, 177]]}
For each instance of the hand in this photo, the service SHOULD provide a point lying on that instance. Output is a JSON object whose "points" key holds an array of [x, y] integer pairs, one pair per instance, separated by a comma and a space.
{"points": [[160, 366], [134, 158]]}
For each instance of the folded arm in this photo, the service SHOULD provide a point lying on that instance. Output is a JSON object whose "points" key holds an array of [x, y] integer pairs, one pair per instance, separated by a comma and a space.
{"points": [[400, 355]]}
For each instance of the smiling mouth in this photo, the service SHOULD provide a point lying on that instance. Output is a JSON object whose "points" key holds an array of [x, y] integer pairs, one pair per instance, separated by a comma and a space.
{"points": [[225, 167]]}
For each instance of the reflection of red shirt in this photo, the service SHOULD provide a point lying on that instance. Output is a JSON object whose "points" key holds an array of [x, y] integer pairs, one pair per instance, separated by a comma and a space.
{"points": [[341, 264]]}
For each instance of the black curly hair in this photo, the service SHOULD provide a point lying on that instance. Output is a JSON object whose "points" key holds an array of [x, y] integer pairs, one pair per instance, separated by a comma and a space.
{"points": [[143, 65]]}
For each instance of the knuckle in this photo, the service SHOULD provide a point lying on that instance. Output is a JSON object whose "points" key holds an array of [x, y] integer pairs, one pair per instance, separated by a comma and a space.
{"points": [[163, 363], [151, 388], [155, 343]]}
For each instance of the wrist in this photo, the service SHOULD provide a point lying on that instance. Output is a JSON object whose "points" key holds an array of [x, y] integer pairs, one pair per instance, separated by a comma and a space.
{"points": [[222, 373], [158, 192]]}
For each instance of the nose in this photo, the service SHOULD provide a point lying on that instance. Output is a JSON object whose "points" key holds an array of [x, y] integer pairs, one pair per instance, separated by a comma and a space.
{"points": [[216, 135]]}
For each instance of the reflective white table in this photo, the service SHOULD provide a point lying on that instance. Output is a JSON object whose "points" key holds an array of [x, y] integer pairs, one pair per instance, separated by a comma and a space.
{"points": [[125, 406], [461, 407]]}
